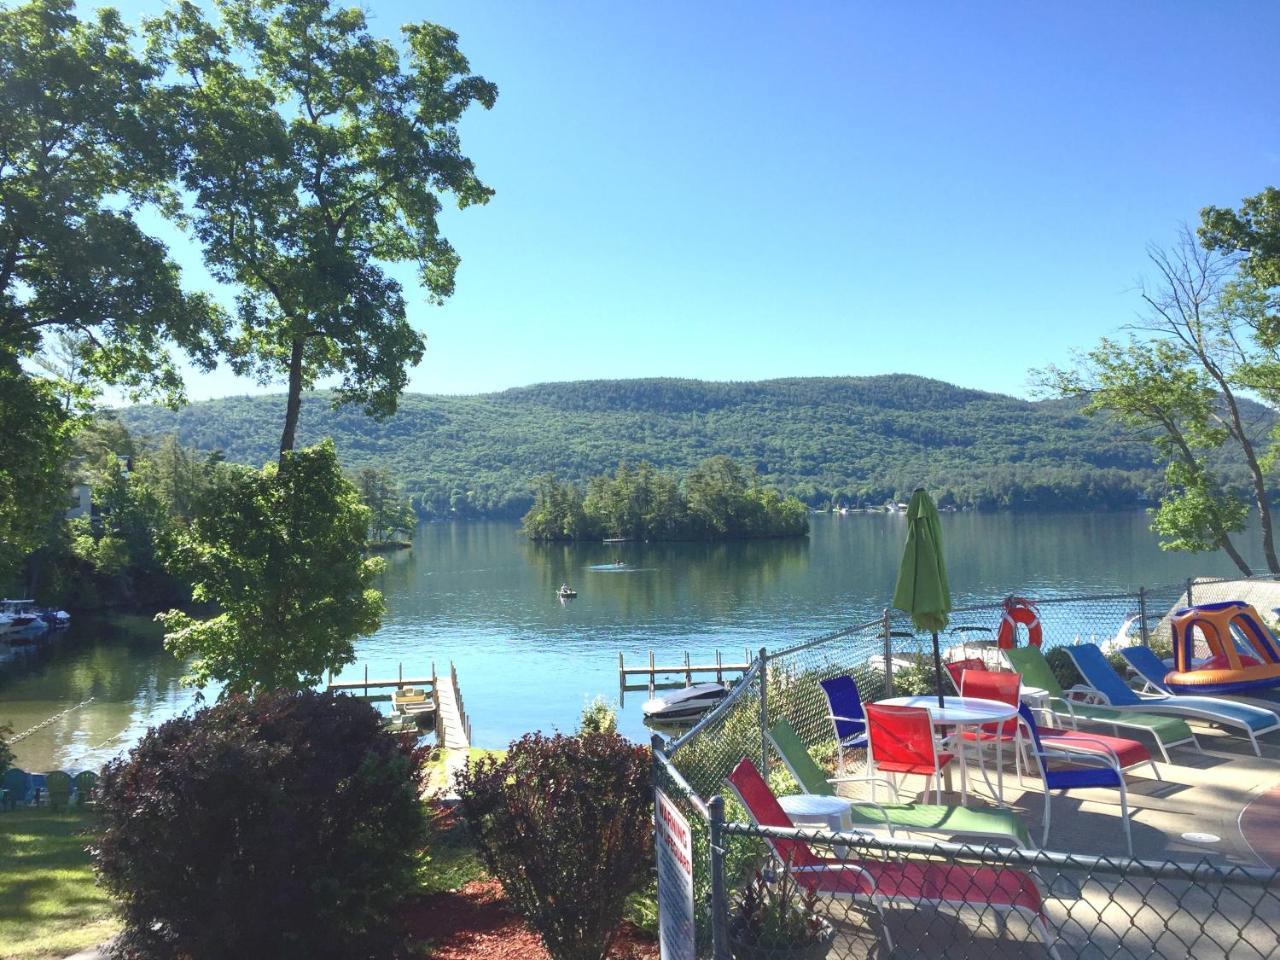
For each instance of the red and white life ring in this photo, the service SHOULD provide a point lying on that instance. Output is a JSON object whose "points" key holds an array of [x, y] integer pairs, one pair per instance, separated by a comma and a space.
{"points": [[1018, 611]]}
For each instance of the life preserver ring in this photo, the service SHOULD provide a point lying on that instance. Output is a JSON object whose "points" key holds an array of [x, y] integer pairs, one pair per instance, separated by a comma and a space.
{"points": [[1019, 611]]}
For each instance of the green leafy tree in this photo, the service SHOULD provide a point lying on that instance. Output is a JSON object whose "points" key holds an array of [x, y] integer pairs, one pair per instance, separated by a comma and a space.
{"points": [[1252, 231], [35, 440], [389, 512], [315, 153], [1185, 378], [86, 140], [280, 551]]}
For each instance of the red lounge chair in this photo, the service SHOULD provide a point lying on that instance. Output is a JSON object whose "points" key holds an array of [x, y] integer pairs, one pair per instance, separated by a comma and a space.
{"points": [[901, 741], [883, 882]]}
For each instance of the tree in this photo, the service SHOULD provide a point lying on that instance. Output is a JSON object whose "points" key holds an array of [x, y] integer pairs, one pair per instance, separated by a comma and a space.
{"points": [[35, 439], [315, 154], [389, 513], [280, 551], [85, 142], [1203, 345]]}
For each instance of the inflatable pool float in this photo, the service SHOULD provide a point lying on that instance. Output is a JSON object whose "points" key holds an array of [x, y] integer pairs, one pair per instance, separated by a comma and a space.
{"points": [[1244, 656]]}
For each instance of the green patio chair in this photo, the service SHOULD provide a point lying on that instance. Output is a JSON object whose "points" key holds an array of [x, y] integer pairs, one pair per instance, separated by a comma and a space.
{"points": [[57, 783], [1036, 672], [86, 784], [928, 818]]}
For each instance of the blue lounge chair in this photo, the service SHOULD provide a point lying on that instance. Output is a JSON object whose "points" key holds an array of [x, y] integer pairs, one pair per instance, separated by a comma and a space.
{"points": [[1093, 666], [847, 716], [1253, 720], [1091, 770]]}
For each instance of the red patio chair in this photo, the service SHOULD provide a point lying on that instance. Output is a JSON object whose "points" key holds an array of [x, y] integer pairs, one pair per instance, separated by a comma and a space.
{"points": [[879, 882], [1002, 688], [902, 742], [956, 668]]}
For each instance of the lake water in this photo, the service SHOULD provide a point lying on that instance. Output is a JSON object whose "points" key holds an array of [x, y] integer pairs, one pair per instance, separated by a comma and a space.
{"points": [[480, 595]]}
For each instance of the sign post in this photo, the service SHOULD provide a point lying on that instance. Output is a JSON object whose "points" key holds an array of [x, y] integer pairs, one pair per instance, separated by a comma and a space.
{"points": [[675, 880]]}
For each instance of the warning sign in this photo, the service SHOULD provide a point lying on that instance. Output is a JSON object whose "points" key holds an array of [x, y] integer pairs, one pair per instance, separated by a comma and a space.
{"points": [[675, 880]]}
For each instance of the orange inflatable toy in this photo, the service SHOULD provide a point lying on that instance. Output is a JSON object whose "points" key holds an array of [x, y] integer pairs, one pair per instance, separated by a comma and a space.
{"points": [[1244, 654]]}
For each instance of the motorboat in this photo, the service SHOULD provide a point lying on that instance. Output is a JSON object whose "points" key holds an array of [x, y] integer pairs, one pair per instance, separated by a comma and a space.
{"points": [[685, 703], [566, 592], [20, 620], [56, 619]]}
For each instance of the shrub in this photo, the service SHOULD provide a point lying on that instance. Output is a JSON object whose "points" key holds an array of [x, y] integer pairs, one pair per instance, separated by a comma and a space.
{"points": [[285, 825], [916, 680], [566, 824], [598, 717]]}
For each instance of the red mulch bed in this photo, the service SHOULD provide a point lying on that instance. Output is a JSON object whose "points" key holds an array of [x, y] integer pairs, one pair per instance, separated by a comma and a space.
{"points": [[476, 922]]}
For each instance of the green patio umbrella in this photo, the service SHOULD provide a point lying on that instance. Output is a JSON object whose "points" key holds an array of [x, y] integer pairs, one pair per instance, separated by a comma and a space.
{"points": [[922, 589]]}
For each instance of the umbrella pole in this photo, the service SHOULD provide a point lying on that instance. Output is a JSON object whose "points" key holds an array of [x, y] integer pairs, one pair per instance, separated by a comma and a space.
{"points": [[937, 666]]}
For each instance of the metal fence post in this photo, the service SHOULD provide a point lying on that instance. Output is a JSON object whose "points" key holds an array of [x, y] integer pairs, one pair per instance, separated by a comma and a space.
{"points": [[888, 654], [719, 900], [1142, 616], [764, 711], [1190, 600]]}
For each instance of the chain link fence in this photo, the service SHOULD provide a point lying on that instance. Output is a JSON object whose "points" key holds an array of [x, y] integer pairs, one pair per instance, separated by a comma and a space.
{"points": [[926, 899]]}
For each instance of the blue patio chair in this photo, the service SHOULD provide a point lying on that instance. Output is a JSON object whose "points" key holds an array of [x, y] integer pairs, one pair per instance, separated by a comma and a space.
{"points": [[1098, 674], [847, 717], [17, 787], [1092, 770]]}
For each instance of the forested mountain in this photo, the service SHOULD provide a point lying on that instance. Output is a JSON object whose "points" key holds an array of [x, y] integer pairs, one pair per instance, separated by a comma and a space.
{"points": [[854, 439]]}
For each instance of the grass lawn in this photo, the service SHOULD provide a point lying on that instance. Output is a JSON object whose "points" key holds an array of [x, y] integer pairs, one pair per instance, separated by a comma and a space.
{"points": [[49, 904]]}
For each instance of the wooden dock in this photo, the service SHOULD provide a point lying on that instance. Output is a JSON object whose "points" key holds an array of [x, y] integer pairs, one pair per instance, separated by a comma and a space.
{"points": [[684, 674], [453, 726]]}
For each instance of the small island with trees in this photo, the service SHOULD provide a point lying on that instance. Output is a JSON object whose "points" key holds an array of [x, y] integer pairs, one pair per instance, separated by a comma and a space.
{"points": [[717, 500]]}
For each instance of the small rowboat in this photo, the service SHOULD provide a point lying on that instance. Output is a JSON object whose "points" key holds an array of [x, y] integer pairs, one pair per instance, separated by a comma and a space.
{"points": [[566, 593]]}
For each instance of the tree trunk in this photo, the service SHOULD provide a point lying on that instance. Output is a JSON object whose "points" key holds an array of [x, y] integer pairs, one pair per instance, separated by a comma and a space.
{"points": [[1229, 549], [1257, 478], [294, 403]]}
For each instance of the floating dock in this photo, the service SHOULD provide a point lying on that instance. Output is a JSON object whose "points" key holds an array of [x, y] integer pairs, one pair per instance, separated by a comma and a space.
{"points": [[685, 672]]}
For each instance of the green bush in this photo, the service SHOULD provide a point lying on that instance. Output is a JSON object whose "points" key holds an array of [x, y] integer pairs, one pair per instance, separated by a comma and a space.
{"points": [[566, 824], [916, 680], [1064, 670], [598, 717], [287, 825]]}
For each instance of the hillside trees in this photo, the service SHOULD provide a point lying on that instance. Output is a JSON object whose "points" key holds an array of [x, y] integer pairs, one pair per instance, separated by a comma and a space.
{"points": [[1207, 343], [315, 154]]}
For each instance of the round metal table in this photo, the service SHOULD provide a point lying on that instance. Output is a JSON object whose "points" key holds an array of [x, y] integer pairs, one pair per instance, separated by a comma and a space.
{"points": [[961, 712]]}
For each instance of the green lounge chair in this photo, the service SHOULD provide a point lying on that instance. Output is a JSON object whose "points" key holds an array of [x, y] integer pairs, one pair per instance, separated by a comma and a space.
{"points": [[57, 783], [927, 818], [1036, 672], [86, 783]]}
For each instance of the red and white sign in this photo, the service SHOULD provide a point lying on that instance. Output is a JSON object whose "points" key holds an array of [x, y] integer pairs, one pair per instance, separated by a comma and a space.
{"points": [[675, 880]]}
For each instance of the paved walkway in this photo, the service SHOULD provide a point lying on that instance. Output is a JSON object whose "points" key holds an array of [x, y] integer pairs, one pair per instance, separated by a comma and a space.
{"points": [[1260, 824]]}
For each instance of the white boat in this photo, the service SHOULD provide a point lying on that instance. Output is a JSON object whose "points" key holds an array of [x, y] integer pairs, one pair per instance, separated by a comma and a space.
{"points": [[20, 619], [685, 703]]}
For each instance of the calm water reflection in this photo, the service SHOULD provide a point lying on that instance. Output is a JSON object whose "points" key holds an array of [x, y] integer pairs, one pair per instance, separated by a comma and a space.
{"points": [[483, 597]]}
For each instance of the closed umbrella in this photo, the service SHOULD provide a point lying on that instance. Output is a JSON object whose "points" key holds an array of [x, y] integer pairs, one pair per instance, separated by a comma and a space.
{"points": [[922, 588]]}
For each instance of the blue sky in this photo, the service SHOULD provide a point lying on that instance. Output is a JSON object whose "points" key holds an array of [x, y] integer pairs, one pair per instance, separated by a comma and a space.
{"points": [[751, 190]]}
